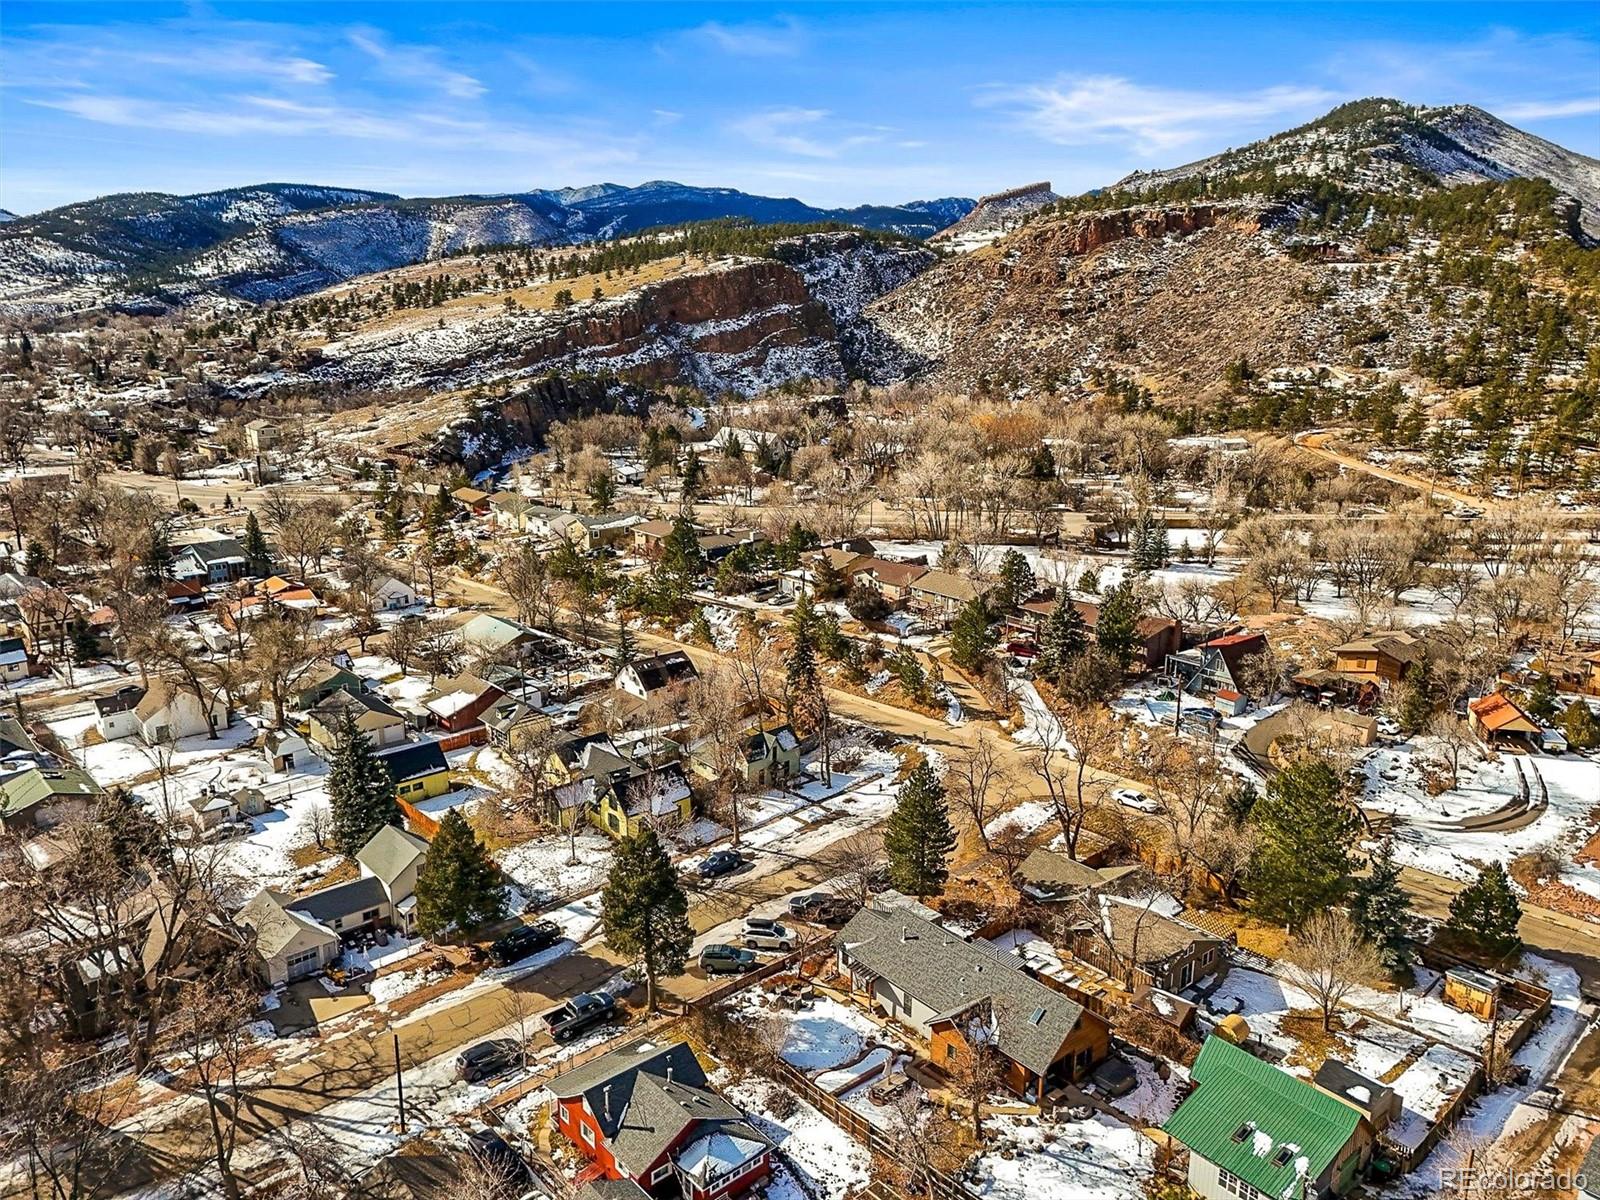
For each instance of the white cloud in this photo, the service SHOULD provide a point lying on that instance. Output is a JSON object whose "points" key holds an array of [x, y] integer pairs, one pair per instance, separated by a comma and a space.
{"points": [[1092, 109], [415, 64], [784, 129], [782, 40], [1545, 110]]}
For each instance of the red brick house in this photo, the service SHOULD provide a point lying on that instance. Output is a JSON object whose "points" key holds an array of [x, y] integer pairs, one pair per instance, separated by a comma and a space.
{"points": [[645, 1114]]}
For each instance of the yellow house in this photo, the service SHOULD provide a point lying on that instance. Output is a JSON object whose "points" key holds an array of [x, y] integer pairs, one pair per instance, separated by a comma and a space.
{"points": [[419, 771], [623, 806]]}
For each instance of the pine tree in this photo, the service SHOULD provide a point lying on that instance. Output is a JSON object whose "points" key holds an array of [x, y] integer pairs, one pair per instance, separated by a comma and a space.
{"points": [[1542, 700], [680, 551], [1485, 913], [694, 476], [85, 647], [158, 554], [1381, 909], [644, 912], [603, 491], [255, 545], [970, 644], [1580, 726], [1303, 864], [805, 684], [1016, 581], [627, 649], [360, 792], [1063, 638], [458, 887], [1416, 696], [919, 836], [1117, 630], [1089, 581]]}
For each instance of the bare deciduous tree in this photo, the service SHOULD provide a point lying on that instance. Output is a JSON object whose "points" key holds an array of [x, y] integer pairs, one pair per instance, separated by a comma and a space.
{"points": [[1329, 960]]}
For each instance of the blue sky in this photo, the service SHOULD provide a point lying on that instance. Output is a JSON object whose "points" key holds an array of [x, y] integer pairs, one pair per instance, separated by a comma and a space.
{"points": [[833, 103]]}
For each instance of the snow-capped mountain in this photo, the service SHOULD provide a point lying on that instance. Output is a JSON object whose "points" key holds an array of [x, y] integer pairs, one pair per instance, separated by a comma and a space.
{"points": [[1374, 144], [281, 240]]}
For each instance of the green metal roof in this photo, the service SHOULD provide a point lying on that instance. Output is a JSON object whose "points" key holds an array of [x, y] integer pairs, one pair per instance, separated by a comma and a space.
{"points": [[1236, 1091]]}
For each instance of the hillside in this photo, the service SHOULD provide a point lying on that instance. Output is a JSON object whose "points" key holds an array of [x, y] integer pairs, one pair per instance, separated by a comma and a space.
{"points": [[281, 240], [1372, 266]]}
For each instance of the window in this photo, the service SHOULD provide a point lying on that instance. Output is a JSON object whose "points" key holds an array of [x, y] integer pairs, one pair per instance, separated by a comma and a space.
{"points": [[661, 1172], [370, 915], [949, 1051], [588, 1134], [297, 960], [1188, 974], [1232, 1184], [611, 820]]}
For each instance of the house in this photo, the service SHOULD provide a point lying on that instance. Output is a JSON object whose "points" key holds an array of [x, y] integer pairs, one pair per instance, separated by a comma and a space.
{"points": [[589, 533], [891, 579], [285, 748], [1217, 666], [1051, 877], [489, 636], [1380, 658], [289, 944], [648, 536], [372, 715], [471, 499], [316, 683], [418, 771], [1134, 941], [1158, 636], [644, 677], [114, 715], [512, 723], [623, 802], [394, 594], [207, 556], [208, 808], [940, 595], [507, 509], [298, 936], [944, 988], [167, 712], [185, 595], [459, 703], [41, 798], [765, 757], [645, 1114], [261, 434], [1257, 1133], [17, 747], [1377, 1103], [1501, 724], [13, 660]]}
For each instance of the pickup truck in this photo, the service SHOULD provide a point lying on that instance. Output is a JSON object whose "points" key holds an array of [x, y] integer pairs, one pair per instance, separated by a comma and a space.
{"points": [[578, 1014]]}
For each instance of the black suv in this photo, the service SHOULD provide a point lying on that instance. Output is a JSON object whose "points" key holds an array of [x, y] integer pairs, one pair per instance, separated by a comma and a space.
{"points": [[529, 939], [488, 1059]]}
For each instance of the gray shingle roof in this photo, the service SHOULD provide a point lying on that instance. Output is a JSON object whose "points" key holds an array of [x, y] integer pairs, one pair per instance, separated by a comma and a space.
{"points": [[951, 975], [656, 1093], [390, 852], [341, 900], [274, 924]]}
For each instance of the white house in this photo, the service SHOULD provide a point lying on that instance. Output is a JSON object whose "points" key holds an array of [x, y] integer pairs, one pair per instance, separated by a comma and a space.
{"points": [[114, 715], [13, 659], [645, 676], [168, 712], [393, 594]]}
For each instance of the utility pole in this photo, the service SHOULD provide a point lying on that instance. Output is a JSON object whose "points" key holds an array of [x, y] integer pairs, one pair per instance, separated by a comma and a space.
{"points": [[400, 1084]]}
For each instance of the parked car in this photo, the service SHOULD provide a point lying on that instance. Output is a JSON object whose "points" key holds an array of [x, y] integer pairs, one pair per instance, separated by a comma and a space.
{"points": [[807, 903], [1129, 798], [488, 1059], [721, 959], [834, 911], [523, 941], [763, 933], [1388, 726], [878, 879], [582, 1012], [489, 1148], [719, 863]]}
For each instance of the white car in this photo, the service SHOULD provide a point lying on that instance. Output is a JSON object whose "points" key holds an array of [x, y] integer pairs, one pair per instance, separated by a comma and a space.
{"points": [[1388, 726], [763, 933], [1129, 798]]}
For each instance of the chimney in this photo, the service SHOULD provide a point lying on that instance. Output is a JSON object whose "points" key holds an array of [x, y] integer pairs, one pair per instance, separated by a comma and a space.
{"points": [[669, 1072], [606, 1092]]}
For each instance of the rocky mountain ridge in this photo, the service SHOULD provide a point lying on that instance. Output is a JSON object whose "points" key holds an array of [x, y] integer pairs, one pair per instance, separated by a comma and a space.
{"points": [[277, 241]]}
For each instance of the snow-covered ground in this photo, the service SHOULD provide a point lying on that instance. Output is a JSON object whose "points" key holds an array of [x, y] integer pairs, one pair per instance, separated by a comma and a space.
{"points": [[1427, 837], [1096, 1159], [834, 1164]]}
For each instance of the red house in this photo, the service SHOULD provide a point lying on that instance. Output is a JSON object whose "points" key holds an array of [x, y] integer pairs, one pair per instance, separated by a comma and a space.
{"points": [[644, 1114], [460, 703]]}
